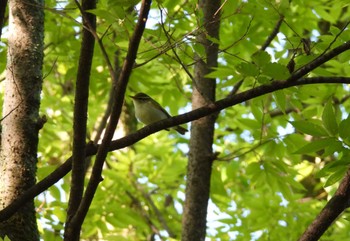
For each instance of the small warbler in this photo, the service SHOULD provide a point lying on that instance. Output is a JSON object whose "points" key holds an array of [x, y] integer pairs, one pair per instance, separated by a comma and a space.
{"points": [[148, 111]]}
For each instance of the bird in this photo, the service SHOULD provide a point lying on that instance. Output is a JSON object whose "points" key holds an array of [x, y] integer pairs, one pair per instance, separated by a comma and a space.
{"points": [[148, 111]]}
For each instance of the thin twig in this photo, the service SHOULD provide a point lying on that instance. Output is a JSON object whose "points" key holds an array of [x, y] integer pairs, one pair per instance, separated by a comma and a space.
{"points": [[307, 68], [99, 42], [336, 37], [273, 34]]}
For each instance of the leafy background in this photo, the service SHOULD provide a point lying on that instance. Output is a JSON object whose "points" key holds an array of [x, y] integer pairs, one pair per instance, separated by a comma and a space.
{"points": [[279, 156]]}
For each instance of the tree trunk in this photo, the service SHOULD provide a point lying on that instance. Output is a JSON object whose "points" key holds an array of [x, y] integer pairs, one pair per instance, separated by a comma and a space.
{"points": [[21, 122], [202, 130], [80, 119]]}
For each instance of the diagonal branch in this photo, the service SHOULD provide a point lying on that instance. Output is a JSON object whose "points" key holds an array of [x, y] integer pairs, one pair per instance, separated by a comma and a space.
{"points": [[335, 206], [219, 105], [187, 117], [319, 61], [120, 87], [160, 217], [273, 34]]}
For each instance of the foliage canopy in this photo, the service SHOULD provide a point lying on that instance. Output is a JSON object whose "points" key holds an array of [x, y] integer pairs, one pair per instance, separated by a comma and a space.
{"points": [[280, 156]]}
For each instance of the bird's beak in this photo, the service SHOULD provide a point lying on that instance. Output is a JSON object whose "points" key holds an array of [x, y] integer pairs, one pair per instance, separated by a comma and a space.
{"points": [[131, 96]]}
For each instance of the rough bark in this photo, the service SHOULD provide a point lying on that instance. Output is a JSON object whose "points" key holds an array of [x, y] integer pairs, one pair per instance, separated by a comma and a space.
{"points": [[333, 209], [80, 118], [202, 130], [20, 124]]}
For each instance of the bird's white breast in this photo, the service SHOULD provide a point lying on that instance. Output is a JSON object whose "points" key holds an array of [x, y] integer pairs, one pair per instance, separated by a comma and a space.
{"points": [[147, 114]]}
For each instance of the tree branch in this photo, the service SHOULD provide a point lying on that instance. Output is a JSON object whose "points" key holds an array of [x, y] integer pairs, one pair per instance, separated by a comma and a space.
{"points": [[148, 198], [131, 139], [200, 158], [92, 30], [102, 124], [120, 87], [273, 34], [80, 120], [187, 117], [319, 61], [335, 206]]}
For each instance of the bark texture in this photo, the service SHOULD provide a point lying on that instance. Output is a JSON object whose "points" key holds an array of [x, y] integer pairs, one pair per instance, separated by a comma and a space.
{"points": [[202, 130], [80, 119], [20, 124]]}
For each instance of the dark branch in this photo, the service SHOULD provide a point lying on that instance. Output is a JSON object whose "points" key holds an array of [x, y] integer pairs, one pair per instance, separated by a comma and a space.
{"points": [[131, 139], [318, 61], [335, 206], [120, 87], [80, 119], [277, 112], [106, 114], [220, 105], [176, 120], [273, 34], [89, 27]]}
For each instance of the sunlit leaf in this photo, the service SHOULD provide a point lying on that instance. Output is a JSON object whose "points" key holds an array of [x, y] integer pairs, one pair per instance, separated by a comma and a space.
{"points": [[280, 99], [248, 69], [316, 145], [335, 177], [344, 128], [276, 71], [309, 127], [261, 58], [329, 119]]}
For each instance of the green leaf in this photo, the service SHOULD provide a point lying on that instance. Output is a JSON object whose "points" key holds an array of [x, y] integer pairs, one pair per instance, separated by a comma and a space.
{"points": [[275, 71], [344, 128], [199, 49], [250, 123], [315, 146], [263, 79], [333, 167], [221, 72], [329, 119], [248, 69], [335, 177], [261, 58], [60, 213], [280, 99], [324, 13], [253, 169], [335, 146], [257, 109], [310, 127], [104, 14]]}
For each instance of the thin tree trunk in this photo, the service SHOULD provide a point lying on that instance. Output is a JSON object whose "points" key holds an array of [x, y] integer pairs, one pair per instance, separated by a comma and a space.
{"points": [[21, 121], [202, 130], [80, 119]]}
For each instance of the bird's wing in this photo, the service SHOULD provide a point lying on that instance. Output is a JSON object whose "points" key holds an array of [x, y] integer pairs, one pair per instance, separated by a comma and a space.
{"points": [[163, 110]]}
